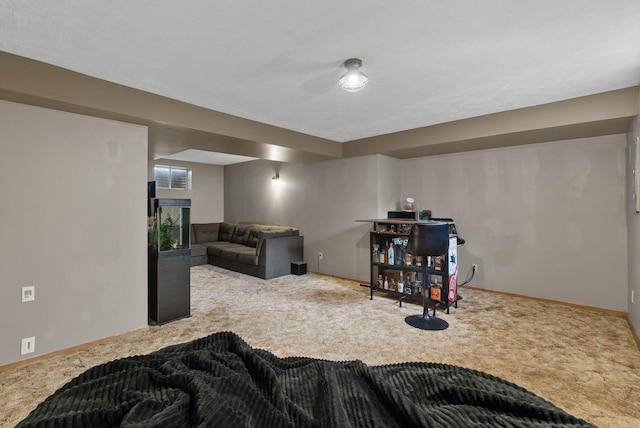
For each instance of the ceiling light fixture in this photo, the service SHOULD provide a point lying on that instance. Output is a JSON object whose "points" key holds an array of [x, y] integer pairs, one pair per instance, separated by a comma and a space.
{"points": [[353, 80]]}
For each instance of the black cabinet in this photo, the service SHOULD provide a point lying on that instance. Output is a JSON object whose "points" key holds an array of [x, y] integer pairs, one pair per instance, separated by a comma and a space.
{"points": [[169, 286]]}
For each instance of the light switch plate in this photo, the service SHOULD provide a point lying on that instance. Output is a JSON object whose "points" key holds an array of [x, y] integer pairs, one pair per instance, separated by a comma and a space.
{"points": [[27, 345]]}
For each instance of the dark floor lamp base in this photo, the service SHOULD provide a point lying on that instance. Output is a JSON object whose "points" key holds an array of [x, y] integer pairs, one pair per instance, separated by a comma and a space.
{"points": [[426, 322]]}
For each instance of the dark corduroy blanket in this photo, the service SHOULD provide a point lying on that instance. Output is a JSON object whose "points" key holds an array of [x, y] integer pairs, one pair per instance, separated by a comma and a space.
{"points": [[221, 381]]}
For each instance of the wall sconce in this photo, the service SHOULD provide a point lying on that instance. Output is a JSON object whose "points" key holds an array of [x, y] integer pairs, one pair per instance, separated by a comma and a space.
{"points": [[276, 184]]}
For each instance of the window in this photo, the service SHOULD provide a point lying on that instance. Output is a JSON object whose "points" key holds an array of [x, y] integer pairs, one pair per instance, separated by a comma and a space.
{"points": [[172, 177]]}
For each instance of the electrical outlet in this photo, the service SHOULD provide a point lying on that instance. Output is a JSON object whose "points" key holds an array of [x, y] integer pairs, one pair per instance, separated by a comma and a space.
{"points": [[474, 267], [27, 345], [28, 294], [320, 256]]}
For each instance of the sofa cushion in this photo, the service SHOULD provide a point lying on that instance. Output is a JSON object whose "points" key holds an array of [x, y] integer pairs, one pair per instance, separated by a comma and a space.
{"points": [[247, 255], [204, 232], [226, 231], [198, 250], [241, 234], [224, 249]]}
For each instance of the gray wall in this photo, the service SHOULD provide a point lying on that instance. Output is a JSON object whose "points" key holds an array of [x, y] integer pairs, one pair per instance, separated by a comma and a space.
{"points": [[73, 225], [322, 199], [250, 194], [206, 194], [336, 194], [544, 220], [633, 226]]}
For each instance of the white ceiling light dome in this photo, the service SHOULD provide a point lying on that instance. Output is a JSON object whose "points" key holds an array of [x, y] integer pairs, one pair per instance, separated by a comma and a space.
{"points": [[353, 80]]}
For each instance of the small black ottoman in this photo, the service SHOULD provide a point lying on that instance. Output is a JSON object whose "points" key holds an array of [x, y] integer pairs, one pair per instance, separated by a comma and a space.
{"points": [[298, 268]]}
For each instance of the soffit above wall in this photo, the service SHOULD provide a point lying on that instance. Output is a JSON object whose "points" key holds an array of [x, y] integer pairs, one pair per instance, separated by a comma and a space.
{"points": [[595, 115], [277, 63], [175, 126]]}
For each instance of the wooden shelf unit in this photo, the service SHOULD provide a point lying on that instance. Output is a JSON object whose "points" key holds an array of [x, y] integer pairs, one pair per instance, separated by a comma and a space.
{"points": [[417, 276]]}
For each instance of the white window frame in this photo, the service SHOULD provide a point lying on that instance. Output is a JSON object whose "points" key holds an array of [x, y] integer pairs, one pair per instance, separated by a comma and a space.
{"points": [[159, 185]]}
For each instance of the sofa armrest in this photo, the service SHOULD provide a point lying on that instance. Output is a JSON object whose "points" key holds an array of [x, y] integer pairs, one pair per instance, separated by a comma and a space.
{"points": [[275, 255]]}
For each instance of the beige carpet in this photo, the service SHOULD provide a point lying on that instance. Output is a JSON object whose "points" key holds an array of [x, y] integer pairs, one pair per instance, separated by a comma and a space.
{"points": [[584, 361]]}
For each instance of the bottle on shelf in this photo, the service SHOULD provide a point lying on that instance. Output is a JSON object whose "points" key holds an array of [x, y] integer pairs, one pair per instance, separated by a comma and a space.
{"points": [[435, 290], [391, 255], [379, 283], [400, 285], [381, 255], [399, 255], [385, 284], [386, 252]]}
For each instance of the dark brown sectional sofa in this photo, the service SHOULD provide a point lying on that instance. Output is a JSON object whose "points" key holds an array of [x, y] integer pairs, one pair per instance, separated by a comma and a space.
{"points": [[258, 249]]}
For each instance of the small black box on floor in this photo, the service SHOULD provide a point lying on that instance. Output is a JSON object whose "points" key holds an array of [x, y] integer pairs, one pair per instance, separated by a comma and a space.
{"points": [[298, 268]]}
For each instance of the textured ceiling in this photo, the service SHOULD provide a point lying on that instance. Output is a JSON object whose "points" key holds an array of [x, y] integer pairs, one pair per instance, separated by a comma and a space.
{"points": [[278, 62]]}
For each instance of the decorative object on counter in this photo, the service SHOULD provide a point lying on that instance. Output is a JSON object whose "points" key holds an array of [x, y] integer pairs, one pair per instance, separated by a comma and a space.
{"points": [[409, 204]]}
